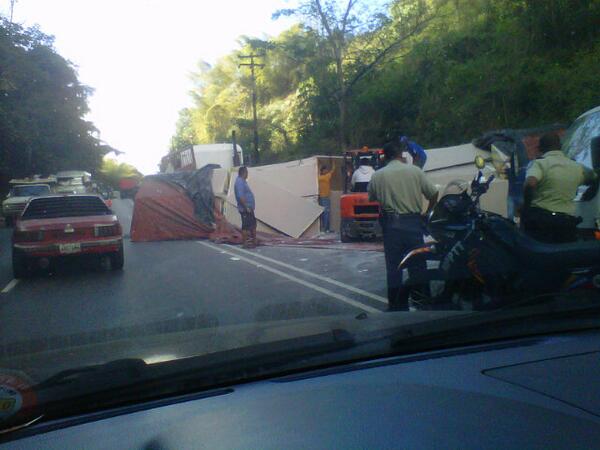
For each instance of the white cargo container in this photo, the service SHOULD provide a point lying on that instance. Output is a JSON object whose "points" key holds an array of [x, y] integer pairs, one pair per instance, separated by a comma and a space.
{"points": [[200, 155]]}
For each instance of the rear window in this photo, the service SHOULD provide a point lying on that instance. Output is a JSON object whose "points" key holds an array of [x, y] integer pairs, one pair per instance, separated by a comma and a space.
{"points": [[53, 207]]}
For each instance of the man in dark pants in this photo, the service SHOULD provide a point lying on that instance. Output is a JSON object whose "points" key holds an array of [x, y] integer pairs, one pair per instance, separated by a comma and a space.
{"points": [[548, 208], [399, 188], [246, 205]]}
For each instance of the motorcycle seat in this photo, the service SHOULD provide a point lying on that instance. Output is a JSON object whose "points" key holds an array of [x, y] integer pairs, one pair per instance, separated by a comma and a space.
{"points": [[572, 254], [537, 254]]}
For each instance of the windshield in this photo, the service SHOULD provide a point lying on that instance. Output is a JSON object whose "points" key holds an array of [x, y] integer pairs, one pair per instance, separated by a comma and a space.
{"points": [[29, 191], [69, 181], [242, 189]]}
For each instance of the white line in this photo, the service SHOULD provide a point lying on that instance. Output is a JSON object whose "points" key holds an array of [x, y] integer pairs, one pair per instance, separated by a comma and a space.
{"points": [[314, 275], [296, 280], [9, 286]]}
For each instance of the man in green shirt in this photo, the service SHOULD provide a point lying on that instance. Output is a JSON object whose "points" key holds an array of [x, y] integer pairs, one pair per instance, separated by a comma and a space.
{"points": [[550, 189], [399, 188]]}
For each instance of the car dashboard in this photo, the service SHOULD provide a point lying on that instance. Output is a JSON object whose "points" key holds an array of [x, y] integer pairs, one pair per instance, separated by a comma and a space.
{"points": [[526, 393]]}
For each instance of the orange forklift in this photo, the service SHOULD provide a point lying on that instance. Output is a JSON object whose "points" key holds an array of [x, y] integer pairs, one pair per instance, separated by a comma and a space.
{"points": [[359, 216]]}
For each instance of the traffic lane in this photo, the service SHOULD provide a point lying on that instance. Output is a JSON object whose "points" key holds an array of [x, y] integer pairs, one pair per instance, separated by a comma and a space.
{"points": [[358, 268], [161, 280], [123, 208]]}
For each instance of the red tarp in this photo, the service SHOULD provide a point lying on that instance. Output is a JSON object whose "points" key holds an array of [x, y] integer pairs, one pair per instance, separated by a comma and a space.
{"points": [[164, 211]]}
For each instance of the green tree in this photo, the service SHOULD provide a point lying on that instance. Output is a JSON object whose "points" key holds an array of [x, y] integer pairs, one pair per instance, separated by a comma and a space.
{"points": [[42, 108], [112, 171]]}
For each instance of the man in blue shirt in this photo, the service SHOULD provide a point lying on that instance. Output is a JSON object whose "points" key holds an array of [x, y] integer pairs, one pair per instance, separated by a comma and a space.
{"points": [[246, 205], [415, 150]]}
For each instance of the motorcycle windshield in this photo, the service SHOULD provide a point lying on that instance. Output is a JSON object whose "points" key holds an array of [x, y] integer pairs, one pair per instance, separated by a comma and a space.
{"points": [[456, 187]]}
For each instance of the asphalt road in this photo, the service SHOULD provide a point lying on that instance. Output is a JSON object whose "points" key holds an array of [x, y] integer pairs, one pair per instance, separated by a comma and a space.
{"points": [[182, 285]]}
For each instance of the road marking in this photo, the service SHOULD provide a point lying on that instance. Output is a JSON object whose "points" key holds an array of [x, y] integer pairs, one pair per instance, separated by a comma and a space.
{"points": [[314, 275], [332, 294], [12, 283]]}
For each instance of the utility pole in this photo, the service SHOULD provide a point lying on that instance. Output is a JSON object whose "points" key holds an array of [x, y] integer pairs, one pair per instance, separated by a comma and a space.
{"points": [[252, 65], [12, 9]]}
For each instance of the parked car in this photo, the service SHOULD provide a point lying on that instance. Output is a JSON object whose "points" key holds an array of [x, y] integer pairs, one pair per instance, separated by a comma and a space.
{"points": [[60, 226], [17, 198]]}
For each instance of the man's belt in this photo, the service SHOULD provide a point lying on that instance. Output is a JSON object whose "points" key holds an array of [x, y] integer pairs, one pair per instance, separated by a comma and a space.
{"points": [[385, 214]]}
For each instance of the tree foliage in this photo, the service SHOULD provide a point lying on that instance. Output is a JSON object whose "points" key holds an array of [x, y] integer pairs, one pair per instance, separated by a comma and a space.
{"points": [[42, 108], [440, 71], [112, 171]]}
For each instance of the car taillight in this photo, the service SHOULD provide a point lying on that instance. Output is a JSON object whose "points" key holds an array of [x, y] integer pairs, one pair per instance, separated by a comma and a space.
{"points": [[28, 236], [107, 230]]}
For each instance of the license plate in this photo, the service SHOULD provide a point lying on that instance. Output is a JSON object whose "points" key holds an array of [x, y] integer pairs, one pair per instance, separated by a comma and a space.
{"points": [[70, 248]]}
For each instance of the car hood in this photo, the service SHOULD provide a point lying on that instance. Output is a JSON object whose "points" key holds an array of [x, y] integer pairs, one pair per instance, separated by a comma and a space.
{"points": [[185, 337]]}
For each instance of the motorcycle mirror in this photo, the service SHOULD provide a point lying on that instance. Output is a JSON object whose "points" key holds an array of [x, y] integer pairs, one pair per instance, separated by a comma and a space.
{"points": [[479, 162], [595, 147]]}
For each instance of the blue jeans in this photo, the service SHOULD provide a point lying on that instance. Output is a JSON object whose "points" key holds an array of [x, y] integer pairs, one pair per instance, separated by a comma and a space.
{"points": [[325, 202]]}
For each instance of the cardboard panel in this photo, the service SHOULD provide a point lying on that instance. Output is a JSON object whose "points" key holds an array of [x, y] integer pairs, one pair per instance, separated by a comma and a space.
{"points": [[439, 158], [495, 199], [313, 230], [233, 217], [278, 208], [334, 217], [297, 177], [219, 179]]}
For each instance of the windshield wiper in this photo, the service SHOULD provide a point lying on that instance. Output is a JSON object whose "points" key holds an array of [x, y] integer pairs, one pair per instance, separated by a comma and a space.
{"points": [[120, 382]]}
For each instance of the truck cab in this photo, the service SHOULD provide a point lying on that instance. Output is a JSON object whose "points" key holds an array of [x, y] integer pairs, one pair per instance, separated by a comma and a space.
{"points": [[73, 182], [19, 195], [359, 216]]}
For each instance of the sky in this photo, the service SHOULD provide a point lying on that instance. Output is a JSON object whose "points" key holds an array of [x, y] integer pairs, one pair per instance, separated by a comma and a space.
{"points": [[137, 55]]}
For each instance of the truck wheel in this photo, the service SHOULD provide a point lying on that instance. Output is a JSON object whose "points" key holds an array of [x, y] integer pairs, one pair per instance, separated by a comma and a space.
{"points": [[8, 221], [344, 237], [20, 265], [117, 259]]}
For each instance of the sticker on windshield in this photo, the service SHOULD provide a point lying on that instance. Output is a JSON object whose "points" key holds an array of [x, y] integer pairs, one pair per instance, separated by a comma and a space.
{"points": [[16, 395]]}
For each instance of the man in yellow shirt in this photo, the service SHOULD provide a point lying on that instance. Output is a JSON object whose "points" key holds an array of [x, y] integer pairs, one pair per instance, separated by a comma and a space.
{"points": [[324, 195], [399, 188], [550, 188]]}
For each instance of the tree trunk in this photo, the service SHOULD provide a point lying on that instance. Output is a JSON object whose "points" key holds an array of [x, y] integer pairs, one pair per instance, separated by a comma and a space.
{"points": [[342, 123], [341, 101]]}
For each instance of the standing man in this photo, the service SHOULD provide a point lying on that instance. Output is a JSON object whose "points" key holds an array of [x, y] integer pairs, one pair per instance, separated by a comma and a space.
{"points": [[550, 188], [399, 188], [246, 205], [324, 195], [415, 151]]}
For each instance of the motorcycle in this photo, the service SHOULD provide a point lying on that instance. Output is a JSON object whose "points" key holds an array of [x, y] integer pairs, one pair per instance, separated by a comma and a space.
{"points": [[479, 260]]}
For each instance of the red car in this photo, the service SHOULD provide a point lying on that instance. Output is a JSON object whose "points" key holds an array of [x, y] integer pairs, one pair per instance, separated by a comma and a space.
{"points": [[64, 226]]}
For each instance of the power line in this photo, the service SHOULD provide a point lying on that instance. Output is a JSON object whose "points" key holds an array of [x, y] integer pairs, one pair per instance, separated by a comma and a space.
{"points": [[252, 65]]}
